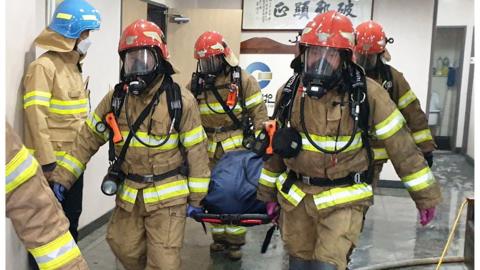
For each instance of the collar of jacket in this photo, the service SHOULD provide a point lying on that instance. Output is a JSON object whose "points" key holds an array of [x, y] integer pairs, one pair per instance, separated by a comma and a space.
{"points": [[52, 41]]}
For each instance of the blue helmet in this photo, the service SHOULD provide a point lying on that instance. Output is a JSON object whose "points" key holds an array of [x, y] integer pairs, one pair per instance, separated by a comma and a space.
{"points": [[72, 17]]}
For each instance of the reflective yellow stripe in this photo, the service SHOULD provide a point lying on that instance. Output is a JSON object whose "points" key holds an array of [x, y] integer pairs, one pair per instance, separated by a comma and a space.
{"points": [[341, 195], [380, 153], [41, 98], [422, 136], [232, 142], [235, 230], [68, 106], [198, 184], [328, 142], [253, 100], [294, 195], [165, 191], [212, 147], [388, 127], [70, 163], [57, 253], [92, 122], [257, 132], [127, 193], [64, 16], [193, 137], [419, 180], [406, 99], [19, 169], [172, 142], [216, 108], [268, 178]]}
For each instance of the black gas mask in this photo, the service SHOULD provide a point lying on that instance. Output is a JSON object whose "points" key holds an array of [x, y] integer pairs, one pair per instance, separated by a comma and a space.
{"points": [[140, 68], [207, 71], [322, 70]]}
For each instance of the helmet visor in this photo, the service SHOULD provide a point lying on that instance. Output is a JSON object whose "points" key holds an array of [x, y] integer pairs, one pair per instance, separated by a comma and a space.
{"points": [[211, 64], [367, 61], [139, 62], [322, 61]]}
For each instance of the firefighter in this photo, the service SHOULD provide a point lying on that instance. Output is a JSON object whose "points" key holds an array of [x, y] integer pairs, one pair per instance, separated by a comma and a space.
{"points": [[232, 109], [36, 215], [158, 153], [321, 169], [371, 54], [56, 98]]}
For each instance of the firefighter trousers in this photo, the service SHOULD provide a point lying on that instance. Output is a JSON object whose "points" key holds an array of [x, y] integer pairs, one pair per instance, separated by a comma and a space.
{"points": [[323, 236], [147, 240]]}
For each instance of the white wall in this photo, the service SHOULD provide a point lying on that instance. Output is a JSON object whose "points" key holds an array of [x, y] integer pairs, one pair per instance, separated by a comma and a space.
{"points": [[101, 64], [24, 21], [459, 13]]}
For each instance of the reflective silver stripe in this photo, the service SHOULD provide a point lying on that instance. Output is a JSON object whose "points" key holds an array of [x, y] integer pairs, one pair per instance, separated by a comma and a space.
{"points": [[56, 253], [19, 169]]}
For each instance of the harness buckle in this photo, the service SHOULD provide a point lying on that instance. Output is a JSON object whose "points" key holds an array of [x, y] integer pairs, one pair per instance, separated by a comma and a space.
{"points": [[306, 179], [357, 178], [148, 178]]}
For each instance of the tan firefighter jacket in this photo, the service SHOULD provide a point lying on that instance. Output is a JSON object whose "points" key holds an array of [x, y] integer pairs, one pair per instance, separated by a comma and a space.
{"points": [[322, 119], [213, 115], [55, 99], [35, 212], [416, 120], [145, 161]]}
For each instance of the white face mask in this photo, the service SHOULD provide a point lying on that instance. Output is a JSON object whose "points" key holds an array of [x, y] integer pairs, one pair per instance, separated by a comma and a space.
{"points": [[82, 46]]}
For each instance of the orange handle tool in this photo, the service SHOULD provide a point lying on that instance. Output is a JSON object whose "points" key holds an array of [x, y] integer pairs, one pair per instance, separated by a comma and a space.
{"points": [[232, 96], [112, 123], [271, 128]]}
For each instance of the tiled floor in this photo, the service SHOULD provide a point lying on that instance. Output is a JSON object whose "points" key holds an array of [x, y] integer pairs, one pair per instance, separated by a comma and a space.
{"points": [[392, 231]]}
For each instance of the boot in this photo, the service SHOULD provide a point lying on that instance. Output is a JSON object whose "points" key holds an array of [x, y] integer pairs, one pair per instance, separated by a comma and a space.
{"points": [[318, 265], [217, 247], [297, 263], [234, 252]]}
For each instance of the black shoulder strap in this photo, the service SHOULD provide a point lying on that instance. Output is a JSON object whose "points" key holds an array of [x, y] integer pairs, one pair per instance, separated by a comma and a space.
{"points": [[282, 108], [237, 79], [174, 102], [387, 79], [118, 98]]}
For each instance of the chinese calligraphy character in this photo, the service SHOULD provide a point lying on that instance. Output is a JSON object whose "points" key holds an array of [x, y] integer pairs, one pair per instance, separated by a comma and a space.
{"points": [[346, 9], [301, 9], [280, 10], [322, 7]]}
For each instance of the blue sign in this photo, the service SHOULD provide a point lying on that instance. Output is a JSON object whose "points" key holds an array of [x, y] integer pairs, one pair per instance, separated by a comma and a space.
{"points": [[264, 75]]}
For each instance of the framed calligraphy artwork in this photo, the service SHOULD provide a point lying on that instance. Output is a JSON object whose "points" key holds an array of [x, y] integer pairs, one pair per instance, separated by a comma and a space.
{"points": [[294, 14]]}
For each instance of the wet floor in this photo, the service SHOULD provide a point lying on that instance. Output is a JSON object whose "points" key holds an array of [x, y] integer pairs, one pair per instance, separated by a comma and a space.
{"points": [[392, 231]]}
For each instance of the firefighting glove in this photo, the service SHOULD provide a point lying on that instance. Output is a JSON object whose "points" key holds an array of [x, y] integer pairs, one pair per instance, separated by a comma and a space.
{"points": [[192, 211], [429, 158], [426, 215], [59, 191], [273, 210]]}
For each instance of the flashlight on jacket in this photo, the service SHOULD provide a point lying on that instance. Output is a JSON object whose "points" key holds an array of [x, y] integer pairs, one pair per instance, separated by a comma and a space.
{"points": [[111, 181]]}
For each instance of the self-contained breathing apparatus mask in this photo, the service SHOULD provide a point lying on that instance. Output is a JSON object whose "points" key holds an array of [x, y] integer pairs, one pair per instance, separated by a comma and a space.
{"points": [[321, 70], [141, 66]]}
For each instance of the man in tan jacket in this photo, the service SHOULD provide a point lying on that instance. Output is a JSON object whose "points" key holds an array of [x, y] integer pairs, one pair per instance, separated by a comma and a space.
{"points": [[370, 53], [232, 110], [36, 215], [147, 226], [56, 99], [321, 171]]}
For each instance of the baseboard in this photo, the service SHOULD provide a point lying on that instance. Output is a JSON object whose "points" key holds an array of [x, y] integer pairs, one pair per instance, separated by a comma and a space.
{"points": [[390, 184], [92, 226], [470, 160]]}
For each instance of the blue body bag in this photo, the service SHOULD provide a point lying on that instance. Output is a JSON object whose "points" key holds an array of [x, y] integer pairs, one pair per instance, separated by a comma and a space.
{"points": [[233, 185]]}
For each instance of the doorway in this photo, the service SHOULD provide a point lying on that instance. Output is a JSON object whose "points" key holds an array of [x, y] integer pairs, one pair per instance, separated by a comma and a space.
{"points": [[446, 74], [157, 13]]}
